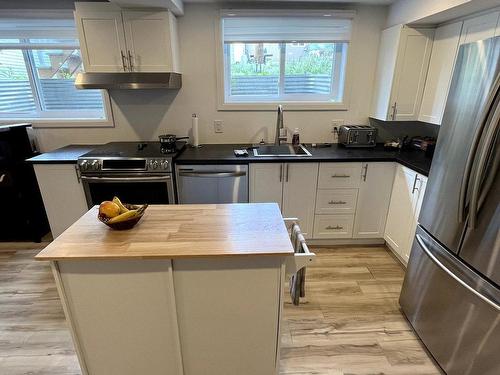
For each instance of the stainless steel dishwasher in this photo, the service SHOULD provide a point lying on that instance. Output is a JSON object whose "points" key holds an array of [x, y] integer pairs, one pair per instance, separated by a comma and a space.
{"points": [[212, 183]]}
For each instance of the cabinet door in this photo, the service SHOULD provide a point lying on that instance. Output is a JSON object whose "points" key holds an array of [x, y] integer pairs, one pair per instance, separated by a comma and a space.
{"points": [[411, 71], [299, 193], [418, 198], [386, 64], [437, 84], [373, 200], [400, 215], [266, 183], [479, 28], [102, 40], [150, 41], [62, 195]]}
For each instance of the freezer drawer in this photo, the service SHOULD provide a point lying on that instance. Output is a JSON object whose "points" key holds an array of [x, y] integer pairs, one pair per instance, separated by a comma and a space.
{"points": [[207, 184], [454, 311]]}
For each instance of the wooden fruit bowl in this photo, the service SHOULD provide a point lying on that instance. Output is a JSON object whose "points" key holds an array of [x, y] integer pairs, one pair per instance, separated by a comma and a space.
{"points": [[126, 224]]}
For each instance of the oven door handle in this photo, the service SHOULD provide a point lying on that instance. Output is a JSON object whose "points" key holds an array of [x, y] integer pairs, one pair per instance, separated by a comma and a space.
{"points": [[127, 179]]}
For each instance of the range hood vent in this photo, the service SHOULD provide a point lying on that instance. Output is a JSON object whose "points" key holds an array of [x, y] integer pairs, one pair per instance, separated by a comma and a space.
{"points": [[128, 81]]}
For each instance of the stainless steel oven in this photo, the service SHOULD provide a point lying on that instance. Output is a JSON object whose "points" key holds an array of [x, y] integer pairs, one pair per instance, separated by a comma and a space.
{"points": [[133, 179], [131, 188]]}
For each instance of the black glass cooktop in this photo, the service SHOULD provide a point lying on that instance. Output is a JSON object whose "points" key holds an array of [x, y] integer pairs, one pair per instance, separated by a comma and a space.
{"points": [[133, 150]]}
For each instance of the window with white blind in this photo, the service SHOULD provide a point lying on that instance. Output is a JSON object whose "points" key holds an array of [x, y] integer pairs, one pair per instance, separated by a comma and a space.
{"points": [[286, 57], [39, 60]]}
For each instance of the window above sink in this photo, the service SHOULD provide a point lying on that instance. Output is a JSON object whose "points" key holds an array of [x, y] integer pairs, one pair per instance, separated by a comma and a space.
{"points": [[298, 58]]}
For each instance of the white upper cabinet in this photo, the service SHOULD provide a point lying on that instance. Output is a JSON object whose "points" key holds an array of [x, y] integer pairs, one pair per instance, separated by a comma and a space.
{"points": [[480, 28], [404, 56], [444, 52], [102, 41], [116, 40], [151, 40]]}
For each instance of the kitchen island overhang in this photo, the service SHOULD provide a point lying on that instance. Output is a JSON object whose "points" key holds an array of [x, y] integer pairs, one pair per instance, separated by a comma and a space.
{"points": [[192, 289]]}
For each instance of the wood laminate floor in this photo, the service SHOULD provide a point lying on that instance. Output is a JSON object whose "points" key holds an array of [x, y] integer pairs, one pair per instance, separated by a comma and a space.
{"points": [[349, 323]]}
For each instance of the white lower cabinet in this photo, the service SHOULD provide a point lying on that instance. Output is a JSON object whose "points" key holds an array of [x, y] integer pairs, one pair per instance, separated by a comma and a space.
{"points": [[373, 199], [353, 199], [266, 183], [291, 185], [407, 194], [359, 201], [62, 194], [333, 226], [299, 193]]}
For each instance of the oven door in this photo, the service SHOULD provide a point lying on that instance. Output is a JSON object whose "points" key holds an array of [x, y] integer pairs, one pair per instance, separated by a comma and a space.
{"points": [[130, 188]]}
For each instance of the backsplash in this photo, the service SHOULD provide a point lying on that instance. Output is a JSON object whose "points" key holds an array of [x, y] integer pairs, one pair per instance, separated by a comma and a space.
{"points": [[388, 130]]}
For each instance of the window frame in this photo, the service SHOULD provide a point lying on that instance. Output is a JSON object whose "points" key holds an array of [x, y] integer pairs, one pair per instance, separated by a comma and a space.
{"points": [[46, 119], [222, 73]]}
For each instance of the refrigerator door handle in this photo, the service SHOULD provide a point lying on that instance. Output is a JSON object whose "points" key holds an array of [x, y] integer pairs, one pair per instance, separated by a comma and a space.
{"points": [[472, 151], [431, 256], [484, 156]]}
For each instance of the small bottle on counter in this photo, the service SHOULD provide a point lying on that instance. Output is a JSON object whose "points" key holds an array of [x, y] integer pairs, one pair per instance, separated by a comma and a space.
{"points": [[296, 137]]}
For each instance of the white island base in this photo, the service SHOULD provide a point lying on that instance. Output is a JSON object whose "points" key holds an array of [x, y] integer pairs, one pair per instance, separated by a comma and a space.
{"points": [[190, 290], [197, 316]]}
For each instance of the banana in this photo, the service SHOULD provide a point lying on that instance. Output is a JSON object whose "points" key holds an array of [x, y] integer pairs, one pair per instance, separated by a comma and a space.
{"points": [[119, 203], [122, 217], [129, 214]]}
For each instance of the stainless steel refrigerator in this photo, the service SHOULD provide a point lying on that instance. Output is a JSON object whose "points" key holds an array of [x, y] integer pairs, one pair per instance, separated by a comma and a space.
{"points": [[451, 291]]}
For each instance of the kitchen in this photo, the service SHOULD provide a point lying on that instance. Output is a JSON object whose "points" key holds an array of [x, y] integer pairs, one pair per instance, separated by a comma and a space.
{"points": [[231, 78]]}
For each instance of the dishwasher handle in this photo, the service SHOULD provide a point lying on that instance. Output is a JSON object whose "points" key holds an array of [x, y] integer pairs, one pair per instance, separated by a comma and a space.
{"points": [[210, 174]]}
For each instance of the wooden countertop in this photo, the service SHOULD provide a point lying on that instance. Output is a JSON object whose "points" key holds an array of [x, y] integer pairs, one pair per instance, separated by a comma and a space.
{"points": [[178, 231]]}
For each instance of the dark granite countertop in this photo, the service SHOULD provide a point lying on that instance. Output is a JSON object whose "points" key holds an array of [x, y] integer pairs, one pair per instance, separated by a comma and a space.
{"points": [[223, 154], [64, 155]]}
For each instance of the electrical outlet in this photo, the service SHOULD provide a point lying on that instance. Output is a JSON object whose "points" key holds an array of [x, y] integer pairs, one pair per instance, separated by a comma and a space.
{"points": [[218, 126], [337, 124]]}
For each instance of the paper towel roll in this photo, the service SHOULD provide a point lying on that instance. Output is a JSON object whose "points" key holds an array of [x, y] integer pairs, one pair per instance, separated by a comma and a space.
{"points": [[195, 140]]}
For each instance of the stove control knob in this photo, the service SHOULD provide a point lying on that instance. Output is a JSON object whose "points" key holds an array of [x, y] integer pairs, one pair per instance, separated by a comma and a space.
{"points": [[164, 164], [155, 164], [95, 165], [84, 165]]}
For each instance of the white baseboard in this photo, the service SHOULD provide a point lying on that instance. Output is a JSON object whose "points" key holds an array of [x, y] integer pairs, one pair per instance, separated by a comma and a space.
{"points": [[345, 241]]}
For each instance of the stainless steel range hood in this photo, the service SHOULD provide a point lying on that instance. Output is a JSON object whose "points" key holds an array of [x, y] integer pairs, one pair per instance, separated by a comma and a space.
{"points": [[128, 81]]}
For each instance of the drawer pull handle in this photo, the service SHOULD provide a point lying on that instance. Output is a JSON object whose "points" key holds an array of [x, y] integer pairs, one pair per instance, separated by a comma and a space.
{"points": [[335, 227], [340, 176], [337, 202]]}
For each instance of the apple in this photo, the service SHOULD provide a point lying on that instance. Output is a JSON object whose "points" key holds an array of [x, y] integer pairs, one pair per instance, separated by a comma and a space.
{"points": [[109, 209]]}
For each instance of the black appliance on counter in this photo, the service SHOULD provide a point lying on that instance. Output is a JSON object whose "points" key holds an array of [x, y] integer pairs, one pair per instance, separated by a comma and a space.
{"points": [[137, 172], [24, 216]]}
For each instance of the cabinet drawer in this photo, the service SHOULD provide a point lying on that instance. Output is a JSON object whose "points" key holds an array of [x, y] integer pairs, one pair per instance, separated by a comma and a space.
{"points": [[339, 175], [336, 201], [333, 226]]}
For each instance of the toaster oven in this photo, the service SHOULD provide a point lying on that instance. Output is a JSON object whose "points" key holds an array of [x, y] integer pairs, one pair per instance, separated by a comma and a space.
{"points": [[357, 136]]}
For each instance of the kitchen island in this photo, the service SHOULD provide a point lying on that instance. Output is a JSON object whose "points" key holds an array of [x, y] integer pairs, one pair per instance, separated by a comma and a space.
{"points": [[192, 289]]}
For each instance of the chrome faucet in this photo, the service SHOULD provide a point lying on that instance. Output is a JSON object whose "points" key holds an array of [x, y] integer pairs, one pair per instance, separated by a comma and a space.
{"points": [[280, 129]]}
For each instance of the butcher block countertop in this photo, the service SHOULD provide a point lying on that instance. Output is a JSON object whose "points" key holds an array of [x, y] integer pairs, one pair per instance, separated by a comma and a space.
{"points": [[177, 231]]}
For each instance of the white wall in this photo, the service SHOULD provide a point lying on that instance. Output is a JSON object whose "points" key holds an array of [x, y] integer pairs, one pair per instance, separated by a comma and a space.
{"points": [[408, 11], [143, 115]]}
